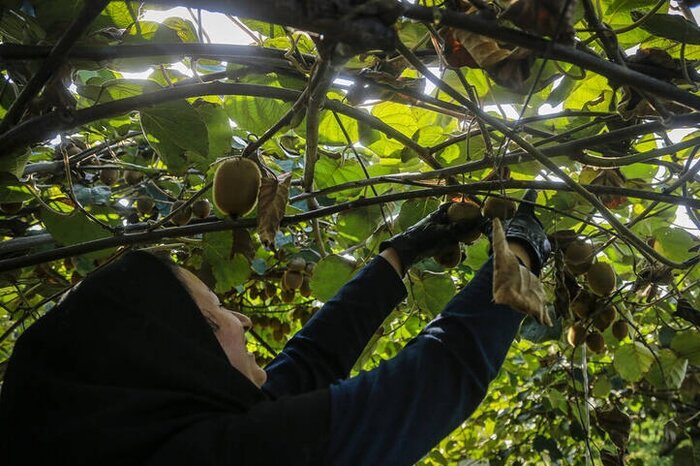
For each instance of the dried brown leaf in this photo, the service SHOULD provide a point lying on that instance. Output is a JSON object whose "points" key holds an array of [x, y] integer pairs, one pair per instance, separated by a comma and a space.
{"points": [[272, 202]]}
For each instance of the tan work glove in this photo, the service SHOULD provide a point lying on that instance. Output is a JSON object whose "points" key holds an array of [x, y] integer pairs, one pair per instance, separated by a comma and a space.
{"points": [[513, 284]]}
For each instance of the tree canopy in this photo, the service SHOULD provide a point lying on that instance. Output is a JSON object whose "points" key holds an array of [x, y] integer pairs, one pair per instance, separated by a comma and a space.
{"points": [[363, 117]]}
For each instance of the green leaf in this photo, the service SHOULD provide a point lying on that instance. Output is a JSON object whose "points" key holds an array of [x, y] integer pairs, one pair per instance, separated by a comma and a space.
{"points": [[674, 243], [433, 291], [173, 128], [356, 225], [414, 210], [256, 114], [73, 229], [632, 361], [218, 129], [687, 345], [673, 370], [12, 190], [330, 274], [602, 387], [15, 162], [397, 116], [674, 27], [534, 331], [228, 271]]}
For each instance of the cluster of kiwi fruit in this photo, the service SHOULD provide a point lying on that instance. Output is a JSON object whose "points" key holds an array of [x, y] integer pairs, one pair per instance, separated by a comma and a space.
{"points": [[590, 307], [279, 328], [470, 213], [110, 176], [236, 186], [580, 259], [296, 277]]}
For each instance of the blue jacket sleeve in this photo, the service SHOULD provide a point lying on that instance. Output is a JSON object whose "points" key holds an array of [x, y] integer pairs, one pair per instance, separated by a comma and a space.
{"points": [[326, 348], [394, 414]]}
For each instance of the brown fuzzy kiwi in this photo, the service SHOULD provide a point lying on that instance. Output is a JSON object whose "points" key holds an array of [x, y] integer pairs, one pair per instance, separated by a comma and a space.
{"points": [[495, 207], [579, 252], [133, 177], [201, 208], [292, 280], [109, 176], [310, 268], [582, 304], [470, 236], [576, 335], [595, 342], [620, 329], [296, 264], [561, 239], [604, 318], [450, 256], [236, 186], [144, 205], [467, 211], [601, 278], [305, 289], [183, 216], [287, 296], [11, 208]]}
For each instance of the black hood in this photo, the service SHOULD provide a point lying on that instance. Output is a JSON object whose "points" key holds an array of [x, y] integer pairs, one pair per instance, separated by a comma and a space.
{"points": [[123, 363]]}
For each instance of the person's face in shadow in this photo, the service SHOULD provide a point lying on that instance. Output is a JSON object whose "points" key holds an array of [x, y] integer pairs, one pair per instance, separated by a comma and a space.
{"points": [[228, 326]]}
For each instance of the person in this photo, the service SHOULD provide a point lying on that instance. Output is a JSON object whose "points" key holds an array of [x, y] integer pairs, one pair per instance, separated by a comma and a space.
{"points": [[140, 365]]}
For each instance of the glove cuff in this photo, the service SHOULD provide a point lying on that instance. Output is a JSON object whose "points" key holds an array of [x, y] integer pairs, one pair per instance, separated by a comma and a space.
{"points": [[524, 231]]}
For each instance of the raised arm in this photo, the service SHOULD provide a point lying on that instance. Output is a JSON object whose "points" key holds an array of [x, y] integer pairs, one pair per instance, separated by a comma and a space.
{"points": [[326, 348]]}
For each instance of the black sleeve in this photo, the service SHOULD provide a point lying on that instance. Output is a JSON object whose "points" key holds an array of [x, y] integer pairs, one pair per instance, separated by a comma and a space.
{"points": [[327, 347], [289, 430], [394, 414]]}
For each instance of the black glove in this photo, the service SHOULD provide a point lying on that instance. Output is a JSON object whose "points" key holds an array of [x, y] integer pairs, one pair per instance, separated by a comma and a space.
{"points": [[427, 237], [525, 229]]}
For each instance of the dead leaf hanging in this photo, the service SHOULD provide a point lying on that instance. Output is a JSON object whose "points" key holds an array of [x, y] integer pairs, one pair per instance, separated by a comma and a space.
{"points": [[272, 202]]}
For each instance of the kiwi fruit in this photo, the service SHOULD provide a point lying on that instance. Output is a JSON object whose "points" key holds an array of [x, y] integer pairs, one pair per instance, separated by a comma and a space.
{"points": [[310, 268], [601, 278], [620, 329], [604, 318], [561, 239], [495, 207], [183, 216], [236, 186], [133, 177], [450, 256], [582, 304], [576, 335], [297, 264], [287, 296], [470, 236], [595, 342], [109, 176], [11, 208], [579, 252], [463, 212], [305, 289], [201, 208], [292, 280], [144, 205]]}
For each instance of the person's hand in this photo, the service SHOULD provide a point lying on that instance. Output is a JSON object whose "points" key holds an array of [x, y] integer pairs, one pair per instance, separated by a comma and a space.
{"points": [[429, 236], [513, 284], [527, 231]]}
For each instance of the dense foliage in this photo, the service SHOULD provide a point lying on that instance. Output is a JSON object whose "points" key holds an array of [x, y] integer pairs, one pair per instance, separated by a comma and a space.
{"points": [[357, 143]]}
